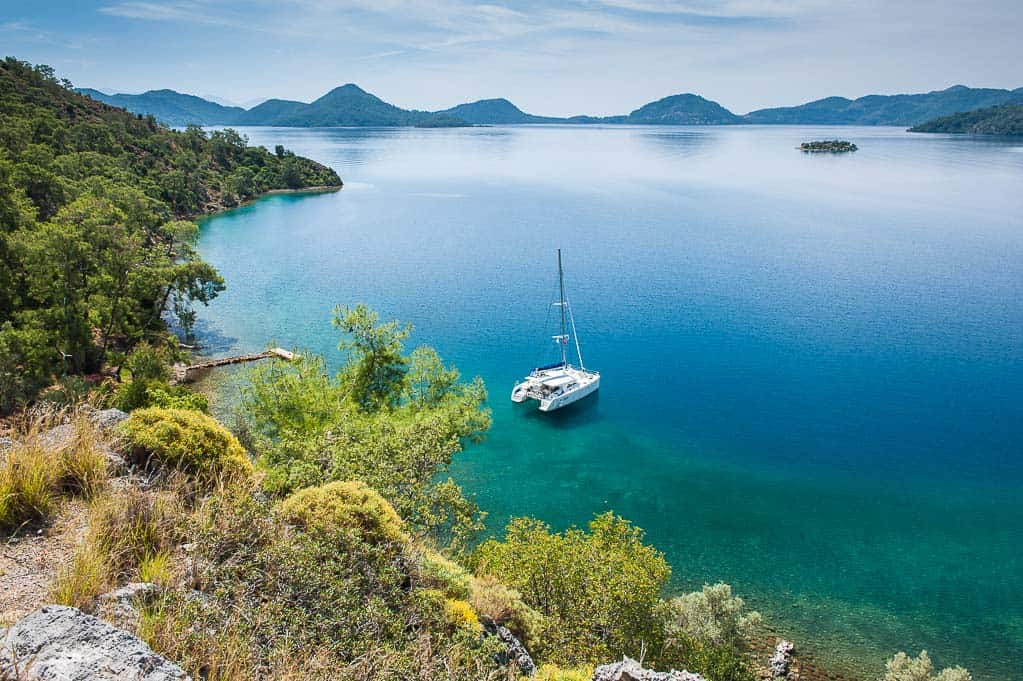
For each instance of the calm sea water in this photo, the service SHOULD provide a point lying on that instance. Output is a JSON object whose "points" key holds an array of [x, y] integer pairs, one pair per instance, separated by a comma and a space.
{"points": [[812, 364]]}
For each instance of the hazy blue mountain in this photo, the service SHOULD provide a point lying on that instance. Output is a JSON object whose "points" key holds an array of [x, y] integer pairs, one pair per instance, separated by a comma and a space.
{"points": [[170, 107], [271, 112], [495, 112], [675, 110], [503, 112], [1006, 119], [348, 105], [685, 109], [885, 109]]}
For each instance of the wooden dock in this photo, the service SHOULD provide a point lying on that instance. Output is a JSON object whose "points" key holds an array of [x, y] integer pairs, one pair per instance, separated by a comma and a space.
{"points": [[184, 372]]}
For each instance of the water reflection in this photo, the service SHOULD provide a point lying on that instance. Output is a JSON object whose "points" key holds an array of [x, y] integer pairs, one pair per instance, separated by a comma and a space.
{"points": [[681, 143]]}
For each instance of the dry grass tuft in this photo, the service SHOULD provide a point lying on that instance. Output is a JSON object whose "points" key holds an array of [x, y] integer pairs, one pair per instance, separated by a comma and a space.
{"points": [[83, 464], [158, 569], [133, 526], [86, 577], [28, 485], [56, 453]]}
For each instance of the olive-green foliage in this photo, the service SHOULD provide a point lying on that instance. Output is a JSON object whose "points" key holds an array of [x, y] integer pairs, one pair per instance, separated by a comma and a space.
{"points": [[498, 603], [438, 572], [550, 672], [376, 368], [280, 603], [176, 397], [460, 615], [351, 505], [902, 667], [148, 382], [707, 632], [712, 615], [187, 440], [94, 241], [599, 588], [392, 421]]}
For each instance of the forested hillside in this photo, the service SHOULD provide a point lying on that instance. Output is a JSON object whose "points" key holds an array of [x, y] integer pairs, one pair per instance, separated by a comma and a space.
{"points": [[94, 241], [994, 120]]}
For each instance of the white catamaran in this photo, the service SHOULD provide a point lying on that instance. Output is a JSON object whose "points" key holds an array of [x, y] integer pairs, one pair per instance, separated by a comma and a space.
{"points": [[560, 384]]}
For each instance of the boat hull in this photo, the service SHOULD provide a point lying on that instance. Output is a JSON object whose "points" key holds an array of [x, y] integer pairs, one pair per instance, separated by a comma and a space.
{"points": [[545, 386], [570, 398]]}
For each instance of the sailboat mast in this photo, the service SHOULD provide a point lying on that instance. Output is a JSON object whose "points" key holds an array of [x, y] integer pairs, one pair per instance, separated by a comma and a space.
{"points": [[564, 338]]}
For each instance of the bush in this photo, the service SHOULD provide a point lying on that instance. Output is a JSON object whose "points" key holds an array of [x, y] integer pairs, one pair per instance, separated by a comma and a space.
{"points": [[460, 615], [345, 505], [711, 616], [438, 572], [717, 662], [176, 397], [497, 603], [308, 604], [598, 588], [905, 668], [549, 672], [189, 441], [707, 632]]}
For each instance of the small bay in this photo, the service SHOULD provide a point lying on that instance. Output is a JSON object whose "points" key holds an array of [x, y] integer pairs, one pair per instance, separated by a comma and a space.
{"points": [[812, 365]]}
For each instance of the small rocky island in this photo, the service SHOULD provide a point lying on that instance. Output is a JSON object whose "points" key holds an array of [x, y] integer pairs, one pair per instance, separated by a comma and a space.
{"points": [[832, 146]]}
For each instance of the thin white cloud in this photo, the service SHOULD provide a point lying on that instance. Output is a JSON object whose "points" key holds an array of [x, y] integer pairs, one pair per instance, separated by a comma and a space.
{"points": [[28, 32]]}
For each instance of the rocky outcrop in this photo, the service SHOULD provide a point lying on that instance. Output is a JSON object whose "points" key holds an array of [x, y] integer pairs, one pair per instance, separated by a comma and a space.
{"points": [[514, 650], [781, 661], [107, 419], [58, 643], [630, 670]]}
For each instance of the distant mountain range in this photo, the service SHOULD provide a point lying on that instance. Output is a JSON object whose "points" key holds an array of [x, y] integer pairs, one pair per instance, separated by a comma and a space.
{"points": [[170, 107], [901, 110], [350, 105]]}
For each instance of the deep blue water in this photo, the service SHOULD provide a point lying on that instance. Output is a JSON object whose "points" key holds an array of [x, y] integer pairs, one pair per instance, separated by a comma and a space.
{"points": [[812, 364]]}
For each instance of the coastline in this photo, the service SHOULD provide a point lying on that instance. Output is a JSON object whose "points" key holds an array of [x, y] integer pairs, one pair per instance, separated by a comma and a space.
{"points": [[220, 208]]}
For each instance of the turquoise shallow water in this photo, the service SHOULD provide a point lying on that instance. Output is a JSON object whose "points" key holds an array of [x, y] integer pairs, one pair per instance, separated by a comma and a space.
{"points": [[812, 365]]}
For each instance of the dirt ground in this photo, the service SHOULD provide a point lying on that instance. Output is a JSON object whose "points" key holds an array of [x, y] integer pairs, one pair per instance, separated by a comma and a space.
{"points": [[31, 559]]}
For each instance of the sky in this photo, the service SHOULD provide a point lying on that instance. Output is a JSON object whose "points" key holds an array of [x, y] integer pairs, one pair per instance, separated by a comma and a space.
{"points": [[597, 57]]}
